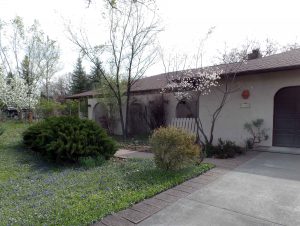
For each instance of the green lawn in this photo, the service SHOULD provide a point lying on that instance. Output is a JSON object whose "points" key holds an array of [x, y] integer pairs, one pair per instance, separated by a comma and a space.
{"points": [[34, 192]]}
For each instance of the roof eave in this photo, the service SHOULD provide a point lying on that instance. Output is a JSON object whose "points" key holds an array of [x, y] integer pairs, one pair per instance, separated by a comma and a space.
{"points": [[248, 72], [266, 70]]}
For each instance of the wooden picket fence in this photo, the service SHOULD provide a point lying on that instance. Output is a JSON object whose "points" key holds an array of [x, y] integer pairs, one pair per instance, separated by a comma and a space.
{"points": [[188, 124]]}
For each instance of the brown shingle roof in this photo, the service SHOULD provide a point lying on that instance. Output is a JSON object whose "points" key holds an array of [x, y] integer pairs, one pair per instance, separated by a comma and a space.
{"points": [[277, 62]]}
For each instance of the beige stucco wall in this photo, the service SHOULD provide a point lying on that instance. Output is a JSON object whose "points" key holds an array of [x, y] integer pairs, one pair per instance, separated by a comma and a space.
{"points": [[238, 111], [170, 103], [169, 106], [117, 128], [91, 105]]}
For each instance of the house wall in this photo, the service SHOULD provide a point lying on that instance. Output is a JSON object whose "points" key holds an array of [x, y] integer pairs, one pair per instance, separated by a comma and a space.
{"points": [[238, 111], [92, 102], [170, 104], [91, 105]]}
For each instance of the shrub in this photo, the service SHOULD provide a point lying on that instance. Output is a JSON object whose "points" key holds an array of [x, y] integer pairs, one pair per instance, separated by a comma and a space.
{"points": [[173, 148], [70, 108], [249, 144], [69, 138], [227, 149], [256, 131], [239, 149], [47, 108], [210, 150]]}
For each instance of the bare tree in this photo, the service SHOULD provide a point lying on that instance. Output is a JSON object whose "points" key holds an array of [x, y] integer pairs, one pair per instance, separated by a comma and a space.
{"points": [[60, 87], [131, 49], [12, 40], [51, 55], [267, 47]]}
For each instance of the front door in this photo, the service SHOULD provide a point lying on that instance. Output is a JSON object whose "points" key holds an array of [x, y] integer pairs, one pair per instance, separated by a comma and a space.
{"points": [[286, 131]]}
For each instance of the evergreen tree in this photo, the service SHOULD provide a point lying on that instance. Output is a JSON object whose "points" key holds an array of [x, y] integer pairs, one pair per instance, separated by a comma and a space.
{"points": [[25, 73], [97, 73], [79, 79]]}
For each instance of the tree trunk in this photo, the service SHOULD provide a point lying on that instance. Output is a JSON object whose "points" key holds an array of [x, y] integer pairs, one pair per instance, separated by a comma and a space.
{"points": [[30, 116], [47, 81], [127, 110], [121, 118]]}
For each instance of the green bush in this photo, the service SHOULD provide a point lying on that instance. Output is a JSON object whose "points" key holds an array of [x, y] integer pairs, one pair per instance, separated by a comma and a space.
{"points": [[69, 138], [47, 108], [70, 108], [173, 148], [227, 149], [210, 150], [256, 131], [249, 144]]}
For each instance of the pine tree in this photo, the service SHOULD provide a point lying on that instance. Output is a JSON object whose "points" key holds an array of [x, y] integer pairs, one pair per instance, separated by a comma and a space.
{"points": [[25, 73], [79, 81], [96, 75]]}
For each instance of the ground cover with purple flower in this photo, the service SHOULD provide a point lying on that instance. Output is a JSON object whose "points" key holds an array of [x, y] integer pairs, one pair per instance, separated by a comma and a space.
{"points": [[36, 192]]}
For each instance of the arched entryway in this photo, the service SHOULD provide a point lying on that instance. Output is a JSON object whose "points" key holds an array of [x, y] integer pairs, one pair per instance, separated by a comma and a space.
{"points": [[286, 128], [101, 115], [137, 119]]}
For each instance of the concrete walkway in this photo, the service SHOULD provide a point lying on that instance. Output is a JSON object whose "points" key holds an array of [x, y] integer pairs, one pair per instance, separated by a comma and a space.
{"points": [[123, 153], [162, 208], [262, 191]]}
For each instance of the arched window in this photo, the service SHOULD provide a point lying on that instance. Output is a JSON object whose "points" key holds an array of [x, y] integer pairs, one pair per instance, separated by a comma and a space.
{"points": [[185, 109]]}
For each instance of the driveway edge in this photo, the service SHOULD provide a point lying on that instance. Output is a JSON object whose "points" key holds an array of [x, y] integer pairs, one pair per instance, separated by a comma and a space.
{"points": [[146, 208]]}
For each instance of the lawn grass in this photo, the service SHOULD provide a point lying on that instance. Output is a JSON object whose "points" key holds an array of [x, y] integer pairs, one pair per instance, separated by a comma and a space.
{"points": [[34, 192]]}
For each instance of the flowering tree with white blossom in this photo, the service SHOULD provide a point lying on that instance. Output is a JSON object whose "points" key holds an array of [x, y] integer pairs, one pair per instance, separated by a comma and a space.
{"points": [[191, 84], [183, 84], [16, 93]]}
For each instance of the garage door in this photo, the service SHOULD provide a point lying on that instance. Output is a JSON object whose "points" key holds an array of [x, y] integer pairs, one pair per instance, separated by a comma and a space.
{"points": [[287, 117]]}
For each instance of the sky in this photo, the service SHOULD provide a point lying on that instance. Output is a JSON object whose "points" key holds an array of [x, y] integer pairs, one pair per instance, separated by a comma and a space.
{"points": [[184, 22]]}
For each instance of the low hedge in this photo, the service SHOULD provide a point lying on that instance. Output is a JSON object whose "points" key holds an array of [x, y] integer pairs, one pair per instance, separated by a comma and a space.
{"points": [[224, 149], [68, 138]]}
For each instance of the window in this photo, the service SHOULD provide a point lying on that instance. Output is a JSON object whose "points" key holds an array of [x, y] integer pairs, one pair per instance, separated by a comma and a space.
{"points": [[185, 109]]}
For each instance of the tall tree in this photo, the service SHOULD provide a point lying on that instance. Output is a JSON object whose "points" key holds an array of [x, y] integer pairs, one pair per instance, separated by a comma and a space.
{"points": [[25, 71], [61, 87], [96, 76], [51, 55], [27, 47], [79, 82], [131, 48], [16, 93]]}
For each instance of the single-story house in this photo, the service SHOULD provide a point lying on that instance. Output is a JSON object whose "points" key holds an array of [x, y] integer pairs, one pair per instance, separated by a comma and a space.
{"points": [[267, 88]]}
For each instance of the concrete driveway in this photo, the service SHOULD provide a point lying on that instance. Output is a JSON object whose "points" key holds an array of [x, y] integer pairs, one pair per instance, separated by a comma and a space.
{"points": [[262, 191]]}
